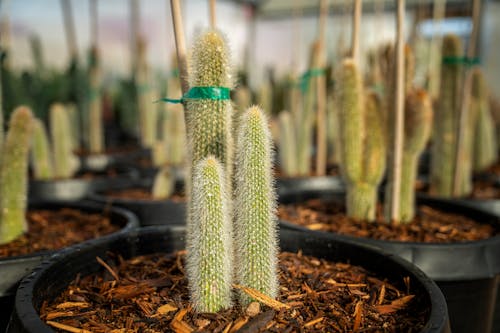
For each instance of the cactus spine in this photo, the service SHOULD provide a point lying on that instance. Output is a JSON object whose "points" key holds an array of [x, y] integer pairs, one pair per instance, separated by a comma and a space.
{"points": [[418, 125], [446, 121], [209, 122], [287, 144], [96, 135], [65, 163], [13, 175], [362, 150], [41, 152], [255, 221], [485, 140], [209, 265]]}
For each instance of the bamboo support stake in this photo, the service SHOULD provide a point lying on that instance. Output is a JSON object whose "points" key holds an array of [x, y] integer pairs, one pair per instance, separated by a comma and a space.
{"points": [[463, 116], [213, 16], [356, 18], [134, 36], [398, 114], [94, 23], [439, 10], [321, 146], [69, 27], [180, 44]]}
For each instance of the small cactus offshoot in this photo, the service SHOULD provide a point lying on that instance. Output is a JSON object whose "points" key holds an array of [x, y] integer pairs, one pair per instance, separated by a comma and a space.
{"points": [[255, 220], [163, 185], [14, 174], [209, 242]]}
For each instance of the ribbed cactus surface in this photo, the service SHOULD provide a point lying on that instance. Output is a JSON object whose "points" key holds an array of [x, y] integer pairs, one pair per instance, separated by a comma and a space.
{"points": [[256, 244], [65, 163], [14, 174], [41, 154], [362, 142], [209, 242], [446, 117]]}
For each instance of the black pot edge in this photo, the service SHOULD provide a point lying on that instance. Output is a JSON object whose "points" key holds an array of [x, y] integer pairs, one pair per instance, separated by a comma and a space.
{"points": [[35, 258], [434, 324]]}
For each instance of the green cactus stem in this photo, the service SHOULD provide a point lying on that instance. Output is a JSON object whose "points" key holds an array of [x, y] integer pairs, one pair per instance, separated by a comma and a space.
{"points": [[287, 145], [209, 242], [14, 174], [256, 245], [96, 135], [74, 119], [163, 185], [209, 121], [418, 126], [41, 155], [362, 142], [65, 162], [485, 136], [446, 122]]}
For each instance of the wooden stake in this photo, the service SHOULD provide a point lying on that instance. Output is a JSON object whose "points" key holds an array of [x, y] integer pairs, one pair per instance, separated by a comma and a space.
{"points": [[213, 17], [398, 113], [69, 27], [180, 44], [465, 97], [435, 48], [356, 18], [321, 146], [94, 23], [134, 36]]}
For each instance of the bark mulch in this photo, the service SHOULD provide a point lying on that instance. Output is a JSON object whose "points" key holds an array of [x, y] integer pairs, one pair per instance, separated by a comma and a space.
{"points": [[429, 226], [149, 294], [53, 230]]}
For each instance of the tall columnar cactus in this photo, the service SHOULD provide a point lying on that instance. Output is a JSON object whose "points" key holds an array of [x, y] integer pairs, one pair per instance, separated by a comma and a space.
{"points": [[41, 155], [446, 121], [13, 175], [362, 142], [209, 121], [145, 97], [65, 162], [287, 144], [255, 220], [485, 136], [417, 130], [96, 135], [209, 244]]}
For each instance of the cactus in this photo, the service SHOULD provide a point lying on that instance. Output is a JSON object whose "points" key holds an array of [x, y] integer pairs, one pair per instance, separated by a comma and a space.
{"points": [[74, 119], [13, 175], [265, 96], [255, 221], [163, 185], [417, 130], [209, 244], [41, 158], [446, 122], [485, 140], [209, 122], [287, 145], [65, 162], [176, 137], [36, 51], [362, 149], [96, 135]]}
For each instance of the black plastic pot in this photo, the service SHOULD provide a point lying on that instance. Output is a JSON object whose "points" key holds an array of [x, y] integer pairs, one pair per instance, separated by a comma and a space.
{"points": [[75, 189], [466, 272], [52, 277], [13, 269], [101, 162], [148, 212], [305, 184]]}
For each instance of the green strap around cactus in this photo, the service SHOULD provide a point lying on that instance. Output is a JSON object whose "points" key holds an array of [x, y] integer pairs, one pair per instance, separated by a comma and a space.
{"points": [[460, 61], [213, 93]]}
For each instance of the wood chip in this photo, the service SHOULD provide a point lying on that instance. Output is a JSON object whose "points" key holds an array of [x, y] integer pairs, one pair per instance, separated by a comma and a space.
{"points": [[108, 268], [313, 322], [258, 296], [59, 314], [381, 296], [180, 326], [349, 285], [66, 328], [395, 305], [358, 316], [239, 324], [67, 305], [165, 309], [253, 309]]}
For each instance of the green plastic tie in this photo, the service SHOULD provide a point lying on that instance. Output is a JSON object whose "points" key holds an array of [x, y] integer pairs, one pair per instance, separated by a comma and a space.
{"points": [[174, 72], [213, 93], [306, 77], [461, 61]]}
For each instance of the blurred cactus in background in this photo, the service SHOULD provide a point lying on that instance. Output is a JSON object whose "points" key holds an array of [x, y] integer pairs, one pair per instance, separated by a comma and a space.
{"points": [[163, 184], [96, 128], [41, 154], [65, 162], [287, 145]]}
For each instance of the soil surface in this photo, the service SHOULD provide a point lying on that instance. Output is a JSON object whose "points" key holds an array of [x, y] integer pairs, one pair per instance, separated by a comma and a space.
{"points": [[55, 229], [141, 194], [149, 294], [429, 226]]}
